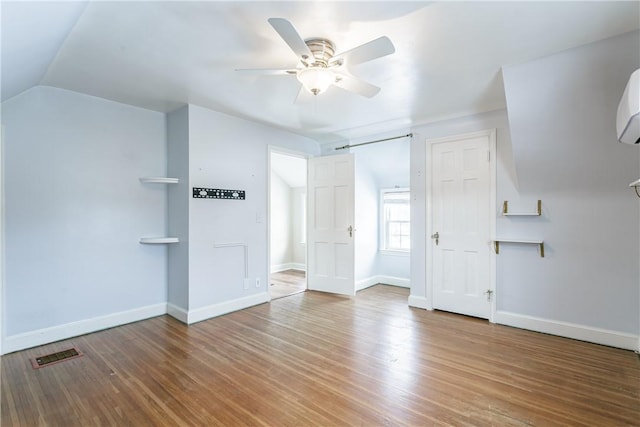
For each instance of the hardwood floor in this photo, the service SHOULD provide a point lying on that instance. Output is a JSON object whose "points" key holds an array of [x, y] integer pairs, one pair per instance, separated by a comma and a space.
{"points": [[288, 282], [318, 359]]}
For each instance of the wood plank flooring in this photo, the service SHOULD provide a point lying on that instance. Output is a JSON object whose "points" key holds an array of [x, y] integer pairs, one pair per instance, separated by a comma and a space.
{"points": [[288, 282], [316, 359]]}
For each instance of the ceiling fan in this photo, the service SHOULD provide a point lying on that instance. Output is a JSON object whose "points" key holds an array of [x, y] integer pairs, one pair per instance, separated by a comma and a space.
{"points": [[320, 67]]}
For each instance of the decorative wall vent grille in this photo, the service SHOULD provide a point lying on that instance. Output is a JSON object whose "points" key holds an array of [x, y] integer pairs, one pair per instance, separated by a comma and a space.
{"points": [[50, 359]]}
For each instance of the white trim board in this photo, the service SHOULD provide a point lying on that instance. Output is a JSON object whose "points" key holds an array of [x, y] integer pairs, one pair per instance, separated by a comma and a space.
{"points": [[2, 242], [178, 313], [288, 266], [419, 302], [383, 280], [82, 327], [568, 330], [69, 330], [214, 310]]}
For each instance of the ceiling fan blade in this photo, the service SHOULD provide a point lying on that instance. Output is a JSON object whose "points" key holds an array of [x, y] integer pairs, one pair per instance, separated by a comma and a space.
{"points": [[289, 34], [377, 48], [267, 71], [355, 85]]}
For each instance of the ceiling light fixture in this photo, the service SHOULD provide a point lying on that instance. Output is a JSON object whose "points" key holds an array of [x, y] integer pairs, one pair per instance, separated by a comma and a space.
{"points": [[316, 79]]}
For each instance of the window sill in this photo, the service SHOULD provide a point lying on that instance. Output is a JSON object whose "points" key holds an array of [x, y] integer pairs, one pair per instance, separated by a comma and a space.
{"points": [[394, 253]]}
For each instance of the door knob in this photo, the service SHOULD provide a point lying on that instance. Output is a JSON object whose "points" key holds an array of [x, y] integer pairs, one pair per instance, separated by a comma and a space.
{"points": [[488, 293], [436, 236], [350, 229]]}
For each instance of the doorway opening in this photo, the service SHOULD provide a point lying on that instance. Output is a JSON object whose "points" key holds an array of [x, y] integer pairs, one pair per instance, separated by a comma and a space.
{"points": [[287, 223], [382, 214]]}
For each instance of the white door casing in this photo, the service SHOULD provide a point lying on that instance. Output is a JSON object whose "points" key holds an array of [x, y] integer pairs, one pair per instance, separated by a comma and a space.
{"points": [[2, 245], [330, 220], [287, 152], [462, 215]]}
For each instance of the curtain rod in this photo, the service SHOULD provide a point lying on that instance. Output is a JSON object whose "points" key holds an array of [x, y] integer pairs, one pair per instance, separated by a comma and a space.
{"points": [[344, 147]]}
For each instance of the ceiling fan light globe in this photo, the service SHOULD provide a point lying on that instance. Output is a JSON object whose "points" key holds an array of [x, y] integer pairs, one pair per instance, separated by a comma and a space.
{"points": [[316, 80]]}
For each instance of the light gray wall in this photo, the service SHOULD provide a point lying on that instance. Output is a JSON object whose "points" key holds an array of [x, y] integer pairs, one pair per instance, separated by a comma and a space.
{"points": [[75, 209], [387, 164], [178, 199], [561, 113], [562, 119], [366, 218], [281, 222], [227, 152]]}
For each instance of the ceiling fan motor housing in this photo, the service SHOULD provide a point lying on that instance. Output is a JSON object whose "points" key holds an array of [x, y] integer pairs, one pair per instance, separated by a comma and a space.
{"points": [[318, 67], [322, 50]]}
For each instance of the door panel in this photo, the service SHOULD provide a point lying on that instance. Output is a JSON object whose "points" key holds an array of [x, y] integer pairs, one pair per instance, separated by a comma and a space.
{"points": [[461, 208], [331, 216]]}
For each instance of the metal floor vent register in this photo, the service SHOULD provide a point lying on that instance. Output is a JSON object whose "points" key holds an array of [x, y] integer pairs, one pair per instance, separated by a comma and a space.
{"points": [[50, 359]]}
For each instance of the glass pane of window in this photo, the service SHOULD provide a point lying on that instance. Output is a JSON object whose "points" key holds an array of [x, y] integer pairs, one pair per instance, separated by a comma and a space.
{"points": [[394, 242], [395, 220]]}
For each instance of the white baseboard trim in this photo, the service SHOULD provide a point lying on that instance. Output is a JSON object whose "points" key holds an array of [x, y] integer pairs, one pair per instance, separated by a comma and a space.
{"points": [[568, 330], [288, 266], [366, 283], [69, 330], [419, 302], [298, 266], [214, 310], [178, 313], [385, 280], [395, 281]]}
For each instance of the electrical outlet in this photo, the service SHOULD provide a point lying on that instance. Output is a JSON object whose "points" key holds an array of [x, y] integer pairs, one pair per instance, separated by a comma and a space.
{"points": [[257, 282]]}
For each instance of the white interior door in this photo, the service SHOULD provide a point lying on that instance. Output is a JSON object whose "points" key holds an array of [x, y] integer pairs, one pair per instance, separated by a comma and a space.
{"points": [[461, 225], [330, 189]]}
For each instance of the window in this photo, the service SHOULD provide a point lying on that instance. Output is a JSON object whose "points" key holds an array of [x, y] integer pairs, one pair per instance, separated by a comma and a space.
{"points": [[395, 225]]}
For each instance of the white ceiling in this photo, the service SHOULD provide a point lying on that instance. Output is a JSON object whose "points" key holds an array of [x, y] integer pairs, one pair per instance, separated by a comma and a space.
{"points": [[161, 55]]}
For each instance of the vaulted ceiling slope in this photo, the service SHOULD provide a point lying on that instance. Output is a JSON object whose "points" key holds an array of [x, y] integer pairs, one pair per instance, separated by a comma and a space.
{"points": [[161, 55]]}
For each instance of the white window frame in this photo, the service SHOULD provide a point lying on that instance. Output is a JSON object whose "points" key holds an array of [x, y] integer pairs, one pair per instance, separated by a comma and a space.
{"points": [[383, 224]]}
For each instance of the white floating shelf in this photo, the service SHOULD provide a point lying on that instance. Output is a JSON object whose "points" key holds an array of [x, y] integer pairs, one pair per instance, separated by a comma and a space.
{"points": [[521, 214], [158, 240], [540, 243], [159, 180], [505, 210]]}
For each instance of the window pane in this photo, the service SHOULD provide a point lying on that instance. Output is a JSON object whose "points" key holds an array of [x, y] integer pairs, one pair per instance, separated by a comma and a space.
{"points": [[396, 213], [394, 242]]}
